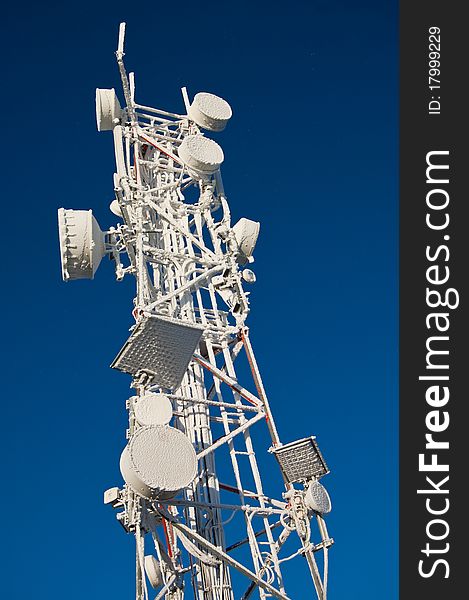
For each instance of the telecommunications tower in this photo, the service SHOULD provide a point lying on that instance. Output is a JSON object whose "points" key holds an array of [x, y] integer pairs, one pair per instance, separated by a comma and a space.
{"points": [[207, 525]]}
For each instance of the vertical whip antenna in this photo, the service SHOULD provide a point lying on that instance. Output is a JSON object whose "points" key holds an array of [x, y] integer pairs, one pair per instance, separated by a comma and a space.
{"points": [[120, 45], [123, 73]]}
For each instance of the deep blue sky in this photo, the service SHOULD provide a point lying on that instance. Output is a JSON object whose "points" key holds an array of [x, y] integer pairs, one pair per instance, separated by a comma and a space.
{"points": [[311, 152]]}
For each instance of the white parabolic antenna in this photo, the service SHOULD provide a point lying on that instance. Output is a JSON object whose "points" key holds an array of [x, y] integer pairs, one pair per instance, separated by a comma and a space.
{"points": [[115, 208], [246, 233], [210, 112], [317, 498], [81, 244], [153, 409], [158, 462], [108, 110], [153, 571], [201, 153]]}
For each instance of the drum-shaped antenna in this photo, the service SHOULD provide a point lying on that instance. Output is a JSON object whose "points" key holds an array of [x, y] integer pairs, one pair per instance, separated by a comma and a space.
{"points": [[153, 409], [201, 154], [158, 462], [246, 234], [108, 110], [115, 208], [81, 244], [317, 498], [153, 571], [210, 112]]}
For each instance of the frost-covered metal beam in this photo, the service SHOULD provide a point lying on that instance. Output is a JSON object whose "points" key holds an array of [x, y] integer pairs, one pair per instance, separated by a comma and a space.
{"points": [[232, 383], [227, 438], [229, 560]]}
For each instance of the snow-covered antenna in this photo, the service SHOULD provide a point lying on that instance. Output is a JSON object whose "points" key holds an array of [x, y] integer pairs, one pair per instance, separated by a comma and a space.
{"points": [[201, 527], [120, 44]]}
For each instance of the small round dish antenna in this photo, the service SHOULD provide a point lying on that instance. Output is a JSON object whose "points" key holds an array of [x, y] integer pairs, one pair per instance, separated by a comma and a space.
{"points": [[246, 234], [81, 244], [201, 154], [153, 571], [153, 409], [108, 110], [115, 208], [317, 498], [210, 112], [249, 276]]}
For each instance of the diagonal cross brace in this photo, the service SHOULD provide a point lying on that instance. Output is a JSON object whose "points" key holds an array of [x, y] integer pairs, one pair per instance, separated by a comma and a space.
{"points": [[231, 435], [230, 561], [232, 383]]}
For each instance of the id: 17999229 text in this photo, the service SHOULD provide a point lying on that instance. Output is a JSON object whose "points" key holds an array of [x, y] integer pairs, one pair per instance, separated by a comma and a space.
{"points": [[434, 71]]}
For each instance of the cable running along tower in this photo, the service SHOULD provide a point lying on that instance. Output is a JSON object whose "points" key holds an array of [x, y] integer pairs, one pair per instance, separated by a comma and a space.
{"points": [[206, 525]]}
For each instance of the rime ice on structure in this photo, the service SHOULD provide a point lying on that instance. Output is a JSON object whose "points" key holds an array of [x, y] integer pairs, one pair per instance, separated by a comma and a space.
{"points": [[201, 532]]}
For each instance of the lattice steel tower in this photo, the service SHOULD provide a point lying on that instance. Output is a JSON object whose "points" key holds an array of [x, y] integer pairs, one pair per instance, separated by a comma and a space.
{"points": [[202, 517]]}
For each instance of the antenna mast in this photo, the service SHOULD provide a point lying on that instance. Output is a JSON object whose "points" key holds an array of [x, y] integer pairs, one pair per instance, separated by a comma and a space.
{"points": [[206, 526]]}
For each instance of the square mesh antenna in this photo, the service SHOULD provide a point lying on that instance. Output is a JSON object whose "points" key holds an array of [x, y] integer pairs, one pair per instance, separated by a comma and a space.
{"points": [[162, 347], [301, 460]]}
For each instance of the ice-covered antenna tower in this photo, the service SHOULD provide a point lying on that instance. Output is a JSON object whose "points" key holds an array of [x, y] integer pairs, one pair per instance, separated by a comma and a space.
{"points": [[206, 524]]}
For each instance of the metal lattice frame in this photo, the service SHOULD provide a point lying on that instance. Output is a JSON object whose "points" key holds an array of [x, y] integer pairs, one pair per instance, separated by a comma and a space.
{"points": [[186, 263]]}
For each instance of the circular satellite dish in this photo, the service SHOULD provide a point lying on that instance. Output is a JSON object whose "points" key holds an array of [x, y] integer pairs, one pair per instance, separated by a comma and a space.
{"points": [[153, 571], [246, 234], [201, 154], [249, 276], [317, 498], [210, 112], [108, 110], [158, 462], [81, 244], [115, 208], [153, 409]]}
